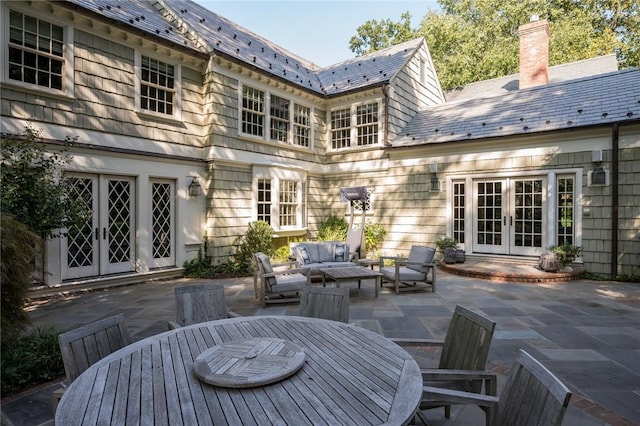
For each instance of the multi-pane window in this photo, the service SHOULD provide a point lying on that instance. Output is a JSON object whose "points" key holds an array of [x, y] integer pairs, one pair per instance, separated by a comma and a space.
{"points": [[288, 203], [286, 121], [367, 124], [355, 126], [157, 86], [279, 119], [301, 125], [566, 217], [264, 200], [35, 51], [341, 128], [367, 204], [458, 211], [253, 111]]}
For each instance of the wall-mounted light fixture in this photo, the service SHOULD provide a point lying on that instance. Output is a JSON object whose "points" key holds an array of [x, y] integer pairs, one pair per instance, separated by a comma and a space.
{"points": [[195, 189], [434, 182], [598, 174]]}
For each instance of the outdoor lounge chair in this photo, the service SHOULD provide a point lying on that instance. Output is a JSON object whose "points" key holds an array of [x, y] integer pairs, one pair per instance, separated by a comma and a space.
{"points": [[200, 303], [84, 346], [411, 273], [325, 302], [532, 395], [278, 286], [463, 358]]}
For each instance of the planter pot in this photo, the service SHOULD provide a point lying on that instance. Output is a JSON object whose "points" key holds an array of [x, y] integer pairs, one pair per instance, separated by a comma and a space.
{"points": [[450, 255], [548, 262], [460, 256]]}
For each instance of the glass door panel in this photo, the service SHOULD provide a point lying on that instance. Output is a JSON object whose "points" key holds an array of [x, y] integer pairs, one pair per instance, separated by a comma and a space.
{"points": [[489, 234]]}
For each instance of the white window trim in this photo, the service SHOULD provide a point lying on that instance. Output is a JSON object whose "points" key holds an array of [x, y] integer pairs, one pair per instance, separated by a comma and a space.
{"points": [[68, 88], [353, 141], [276, 174], [177, 103], [266, 134]]}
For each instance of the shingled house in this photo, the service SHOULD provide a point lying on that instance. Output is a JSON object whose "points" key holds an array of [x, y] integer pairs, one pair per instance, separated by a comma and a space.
{"points": [[189, 127]]}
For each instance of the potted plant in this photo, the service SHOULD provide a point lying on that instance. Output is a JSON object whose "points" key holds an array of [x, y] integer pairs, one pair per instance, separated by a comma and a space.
{"points": [[448, 248], [566, 254]]}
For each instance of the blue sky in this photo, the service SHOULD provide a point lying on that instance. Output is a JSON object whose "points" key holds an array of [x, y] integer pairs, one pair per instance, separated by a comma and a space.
{"points": [[318, 31]]}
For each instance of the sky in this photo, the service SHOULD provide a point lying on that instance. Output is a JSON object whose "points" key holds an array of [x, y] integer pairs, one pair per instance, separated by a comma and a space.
{"points": [[318, 31]]}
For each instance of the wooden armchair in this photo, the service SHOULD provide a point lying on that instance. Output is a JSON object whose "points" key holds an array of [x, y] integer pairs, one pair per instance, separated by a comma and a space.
{"points": [[463, 358], [200, 303], [412, 273], [84, 346], [279, 286], [532, 395], [325, 302]]}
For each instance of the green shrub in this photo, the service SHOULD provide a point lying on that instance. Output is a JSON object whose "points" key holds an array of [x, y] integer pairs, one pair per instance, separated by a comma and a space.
{"points": [[199, 267], [281, 255], [259, 238], [374, 234], [333, 229], [446, 242], [30, 360], [18, 249], [566, 253]]}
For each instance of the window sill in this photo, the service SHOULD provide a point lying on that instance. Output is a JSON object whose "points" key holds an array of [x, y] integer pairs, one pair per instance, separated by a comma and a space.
{"points": [[290, 232], [258, 139], [34, 90], [161, 117], [354, 149]]}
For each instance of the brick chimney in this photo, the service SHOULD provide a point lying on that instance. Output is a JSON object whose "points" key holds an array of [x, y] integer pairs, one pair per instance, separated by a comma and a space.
{"points": [[534, 53]]}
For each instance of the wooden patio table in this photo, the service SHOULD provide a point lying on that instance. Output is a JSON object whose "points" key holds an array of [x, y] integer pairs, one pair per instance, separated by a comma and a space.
{"points": [[349, 376], [349, 273]]}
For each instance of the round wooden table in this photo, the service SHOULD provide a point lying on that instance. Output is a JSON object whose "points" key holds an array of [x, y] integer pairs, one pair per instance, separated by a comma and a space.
{"points": [[350, 376]]}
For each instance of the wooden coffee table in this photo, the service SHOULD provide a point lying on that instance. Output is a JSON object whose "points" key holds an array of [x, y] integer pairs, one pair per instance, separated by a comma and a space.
{"points": [[347, 273]]}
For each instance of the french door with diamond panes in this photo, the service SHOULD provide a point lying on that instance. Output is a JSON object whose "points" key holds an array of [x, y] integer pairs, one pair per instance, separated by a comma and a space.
{"points": [[104, 242], [162, 224], [510, 216]]}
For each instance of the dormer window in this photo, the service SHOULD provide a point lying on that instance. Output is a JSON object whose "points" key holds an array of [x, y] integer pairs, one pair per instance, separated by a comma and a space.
{"points": [[356, 126]]}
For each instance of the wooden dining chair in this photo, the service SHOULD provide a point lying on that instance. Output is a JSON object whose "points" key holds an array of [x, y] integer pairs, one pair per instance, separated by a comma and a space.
{"points": [[84, 346], [465, 350], [200, 303], [326, 303], [532, 395]]}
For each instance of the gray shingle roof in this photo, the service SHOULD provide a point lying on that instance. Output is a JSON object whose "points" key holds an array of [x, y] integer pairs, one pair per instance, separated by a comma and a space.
{"points": [[206, 31], [596, 100], [138, 14], [557, 73]]}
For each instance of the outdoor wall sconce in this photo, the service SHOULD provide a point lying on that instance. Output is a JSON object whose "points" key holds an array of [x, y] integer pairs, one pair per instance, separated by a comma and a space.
{"points": [[434, 182], [195, 189], [598, 176]]}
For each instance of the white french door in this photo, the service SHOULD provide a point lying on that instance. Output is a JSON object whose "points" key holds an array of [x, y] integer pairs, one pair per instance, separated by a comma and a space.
{"points": [[510, 216], [162, 224], [105, 242]]}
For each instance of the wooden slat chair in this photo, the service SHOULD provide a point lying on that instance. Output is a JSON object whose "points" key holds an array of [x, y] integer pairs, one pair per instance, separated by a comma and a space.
{"points": [[416, 272], [279, 286], [326, 303], [84, 346], [463, 358], [200, 303], [532, 395]]}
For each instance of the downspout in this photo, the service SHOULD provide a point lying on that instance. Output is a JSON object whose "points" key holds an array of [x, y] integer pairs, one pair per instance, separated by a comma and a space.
{"points": [[614, 199], [385, 137]]}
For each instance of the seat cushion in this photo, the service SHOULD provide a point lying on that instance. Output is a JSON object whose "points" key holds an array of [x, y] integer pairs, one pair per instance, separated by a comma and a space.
{"points": [[406, 274], [265, 265], [420, 255], [289, 283]]}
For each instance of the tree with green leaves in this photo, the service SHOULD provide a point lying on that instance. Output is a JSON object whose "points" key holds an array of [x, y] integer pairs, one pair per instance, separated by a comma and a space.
{"points": [[35, 203], [473, 40], [34, 190]]}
